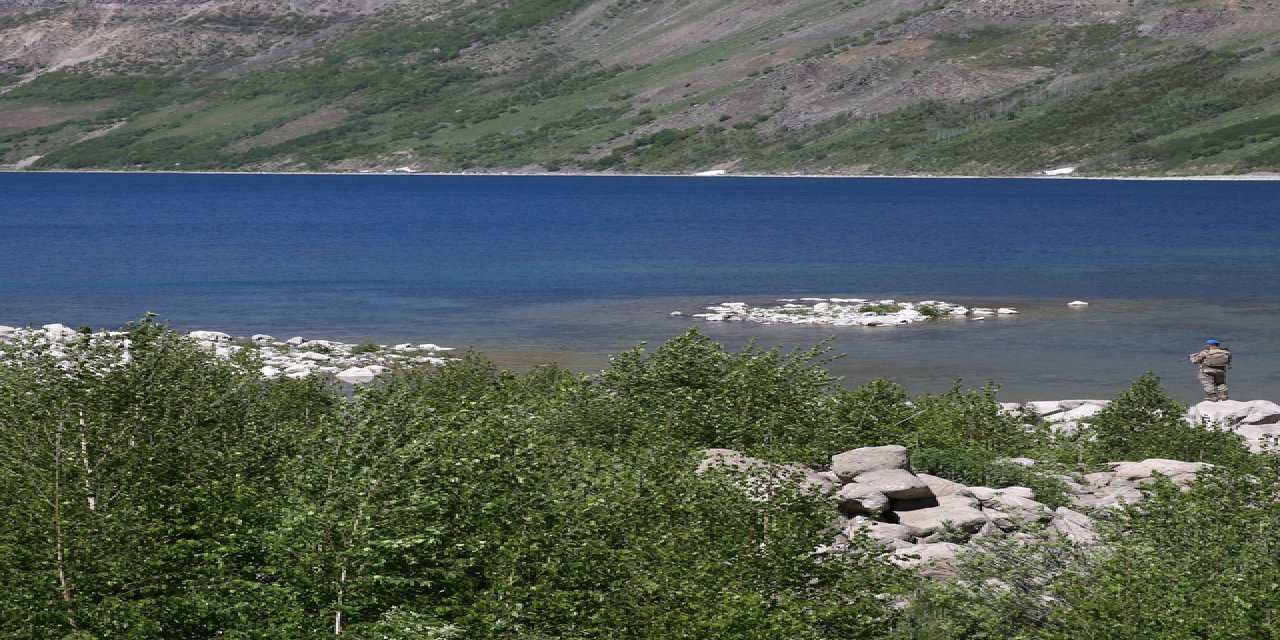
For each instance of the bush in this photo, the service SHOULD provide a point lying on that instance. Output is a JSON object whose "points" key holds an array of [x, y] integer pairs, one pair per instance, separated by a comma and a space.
{"points": [[1144, 422]]}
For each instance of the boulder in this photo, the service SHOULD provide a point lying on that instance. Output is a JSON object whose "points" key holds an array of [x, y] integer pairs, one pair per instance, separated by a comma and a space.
{"points": [[1139, 470], [1077, 527], [853, 463], [1078, 414], [820, 482], [58, 332], [983, 494], [1045, 408], [887, 534], [922, 554], [961, 512], [896, 484], [209, 336], [940, 486], [858, 499], [1109, 497], [1259, 437], [1230, 413], [1020, 507], [1019, 492], [356, 375]]}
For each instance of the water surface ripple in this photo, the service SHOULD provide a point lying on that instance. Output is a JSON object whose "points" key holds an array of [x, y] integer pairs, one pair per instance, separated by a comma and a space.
{"points": [[575, 268]]}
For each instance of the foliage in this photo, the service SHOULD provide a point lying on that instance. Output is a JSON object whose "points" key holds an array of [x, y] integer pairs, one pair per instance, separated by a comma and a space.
{"points": [[170, 493], [1143, 422], [1185, 565], [366, 347], [179, 495], [879, 308]]}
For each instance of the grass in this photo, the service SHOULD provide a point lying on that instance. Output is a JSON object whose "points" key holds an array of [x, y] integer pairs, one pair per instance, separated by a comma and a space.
{"points": [[880, 309], [1095, 96], [227, 119]]}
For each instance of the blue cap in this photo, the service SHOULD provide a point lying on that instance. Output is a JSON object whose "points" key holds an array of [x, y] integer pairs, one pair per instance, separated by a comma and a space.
{"points": [[1212, 342]]}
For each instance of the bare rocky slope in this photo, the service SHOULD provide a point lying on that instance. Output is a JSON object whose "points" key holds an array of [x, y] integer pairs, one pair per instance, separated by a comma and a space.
{"points": [[816, 86]]}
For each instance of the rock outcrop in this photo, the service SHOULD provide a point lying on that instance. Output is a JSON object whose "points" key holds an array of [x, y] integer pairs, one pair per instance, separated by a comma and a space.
{"points": [[924, 518], [843, 312]]}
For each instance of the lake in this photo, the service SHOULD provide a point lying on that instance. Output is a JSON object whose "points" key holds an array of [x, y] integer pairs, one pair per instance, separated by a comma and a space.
{"points": [[530, 269]]}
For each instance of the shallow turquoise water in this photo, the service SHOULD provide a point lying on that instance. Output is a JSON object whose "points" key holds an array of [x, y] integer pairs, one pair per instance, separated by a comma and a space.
{"points": [[530, 269]]}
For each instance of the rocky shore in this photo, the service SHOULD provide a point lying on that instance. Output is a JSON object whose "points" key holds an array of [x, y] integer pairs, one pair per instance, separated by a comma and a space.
{"points": [[295, 357], [925, 519]]}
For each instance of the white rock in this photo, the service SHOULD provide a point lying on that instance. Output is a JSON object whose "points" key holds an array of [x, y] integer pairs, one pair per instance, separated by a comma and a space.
{"points": [[356, 375], [295, 341], [985, 494], [1045, 408], [1006, 311], [1150, 466], [857, 498], [262, 338], [316, 357], [1077, 303], [855, 462], [940, 486], [1077, 527], [895, 484], [956, 511], [1078, 414], [1229, 413], [270, 372], [209, 336]]}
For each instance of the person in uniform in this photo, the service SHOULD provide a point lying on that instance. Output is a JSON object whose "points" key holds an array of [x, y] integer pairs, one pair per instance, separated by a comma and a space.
{"points": [[1213, 360]]}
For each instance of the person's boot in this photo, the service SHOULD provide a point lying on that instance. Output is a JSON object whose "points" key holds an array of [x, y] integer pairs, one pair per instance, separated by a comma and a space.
{"points": [[1222, 396]]}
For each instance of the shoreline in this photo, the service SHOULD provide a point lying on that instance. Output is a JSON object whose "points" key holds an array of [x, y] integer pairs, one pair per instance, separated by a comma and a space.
{"points": [[1246, 177]]}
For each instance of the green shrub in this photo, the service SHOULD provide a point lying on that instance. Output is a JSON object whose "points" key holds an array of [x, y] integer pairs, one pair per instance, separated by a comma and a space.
{"points": [[1144, 422]]}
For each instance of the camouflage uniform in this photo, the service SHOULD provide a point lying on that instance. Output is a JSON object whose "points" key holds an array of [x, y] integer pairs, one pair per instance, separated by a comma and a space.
{"points": [[1212, 377]]}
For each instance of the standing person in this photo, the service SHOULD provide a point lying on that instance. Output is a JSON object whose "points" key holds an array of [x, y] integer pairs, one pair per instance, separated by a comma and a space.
{"points": [[1213, 360]]}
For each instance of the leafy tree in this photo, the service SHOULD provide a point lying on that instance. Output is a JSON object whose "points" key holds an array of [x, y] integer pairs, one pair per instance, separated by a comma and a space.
{"points": [[1144, 422]]}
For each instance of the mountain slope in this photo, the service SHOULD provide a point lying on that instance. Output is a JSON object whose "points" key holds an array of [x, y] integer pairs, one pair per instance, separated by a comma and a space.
{"points": [[815, 86]]}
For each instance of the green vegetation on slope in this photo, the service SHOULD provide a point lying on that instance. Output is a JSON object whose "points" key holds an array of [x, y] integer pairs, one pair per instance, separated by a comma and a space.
{"points": [[884, 86]]}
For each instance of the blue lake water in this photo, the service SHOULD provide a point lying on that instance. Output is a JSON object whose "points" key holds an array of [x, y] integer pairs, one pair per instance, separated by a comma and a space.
{"points": [[571, 269]]}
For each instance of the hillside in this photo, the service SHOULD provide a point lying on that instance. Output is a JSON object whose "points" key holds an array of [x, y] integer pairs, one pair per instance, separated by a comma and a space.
{"points": [[1000, 87]]}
